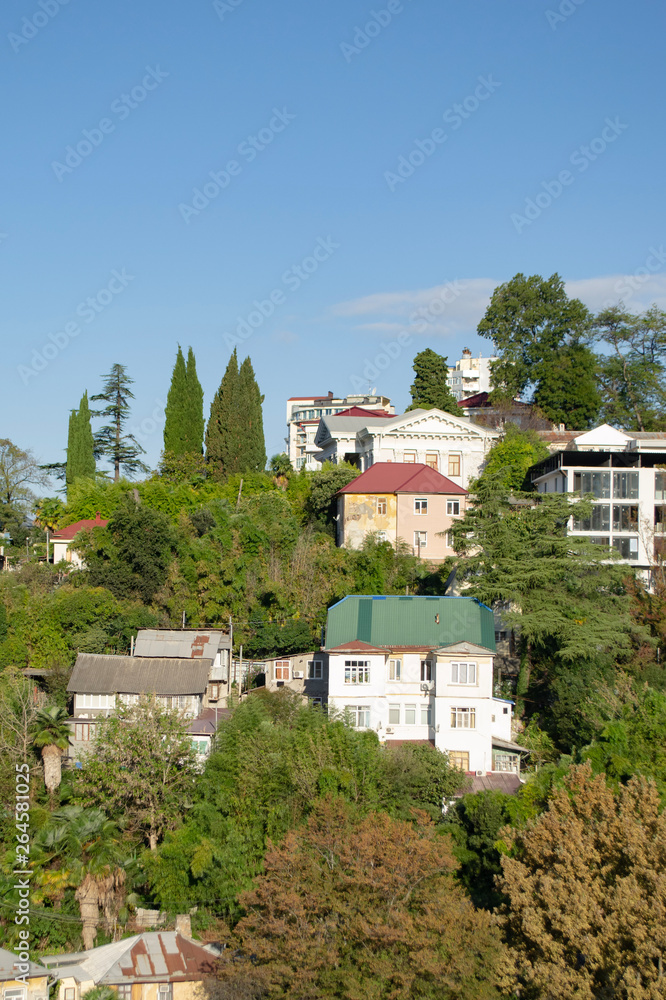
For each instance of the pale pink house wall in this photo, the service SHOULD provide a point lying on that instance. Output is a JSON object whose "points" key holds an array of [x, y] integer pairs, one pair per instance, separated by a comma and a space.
{"points": [[435, 520]]}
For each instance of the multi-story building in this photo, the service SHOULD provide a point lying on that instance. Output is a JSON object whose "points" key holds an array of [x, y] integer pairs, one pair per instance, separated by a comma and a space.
{"points": [[403, 503], [420, 669], [625, 471], [448, 443], [305, 412], [469, 375]]}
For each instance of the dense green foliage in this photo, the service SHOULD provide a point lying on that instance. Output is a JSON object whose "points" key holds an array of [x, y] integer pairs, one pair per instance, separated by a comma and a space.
{"points": [[430, 388], [513, 455], [632, 371]]}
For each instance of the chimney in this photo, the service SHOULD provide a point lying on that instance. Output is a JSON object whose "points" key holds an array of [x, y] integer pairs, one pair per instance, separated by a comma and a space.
{"points": [[466, 352], [184, 925]]}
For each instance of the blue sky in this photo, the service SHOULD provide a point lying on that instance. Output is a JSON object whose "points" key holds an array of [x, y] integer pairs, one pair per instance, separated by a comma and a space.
{"points": [[308, 113]]}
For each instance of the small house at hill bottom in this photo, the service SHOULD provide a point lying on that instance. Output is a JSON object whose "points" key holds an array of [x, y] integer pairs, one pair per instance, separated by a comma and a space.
{"points": [[155, 965], [34, 981]]}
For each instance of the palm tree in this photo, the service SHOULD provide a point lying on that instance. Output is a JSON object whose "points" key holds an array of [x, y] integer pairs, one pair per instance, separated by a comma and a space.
{"points": [[86, 845], [52, 737]]}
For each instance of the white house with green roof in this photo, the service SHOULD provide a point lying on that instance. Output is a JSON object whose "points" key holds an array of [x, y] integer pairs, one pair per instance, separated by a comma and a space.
{"points": [[420, 669]]}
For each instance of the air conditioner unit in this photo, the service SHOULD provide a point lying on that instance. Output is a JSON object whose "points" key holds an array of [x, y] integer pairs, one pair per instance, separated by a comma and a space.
{"points": [[480, 774], [425, 686], [389, 729], [298, 675]]}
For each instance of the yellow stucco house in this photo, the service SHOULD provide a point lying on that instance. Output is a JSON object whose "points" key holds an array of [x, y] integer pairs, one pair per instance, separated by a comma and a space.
{"points": [[403, 502], [22, 980]]}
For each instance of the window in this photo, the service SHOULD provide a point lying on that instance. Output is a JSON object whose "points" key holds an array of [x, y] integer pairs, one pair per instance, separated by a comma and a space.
{"points": [[453, 507], [426, 714], [459, 759], [83, 732], [599, 519], [625, 485], [454, 465], [357, 671], [95, 701], [360, 716], [500, 636], [625, 517], [409, 456], [410, 715], [463, 673], [381, 536], [660, 486], [505, 710], [431, 460], [426, 670], [200, 747], [282, 668], [315, 670], [394, 715], [214, 692], [128, 699], [124, 991], [627, 547], [316, 702], [450, 540], [463, 718], [597, 483], [395, 670], [420, 540], [164, 991], [660, 520], [503, 761], [420, 506], [381, 505], [14, 994], [179, 701]]}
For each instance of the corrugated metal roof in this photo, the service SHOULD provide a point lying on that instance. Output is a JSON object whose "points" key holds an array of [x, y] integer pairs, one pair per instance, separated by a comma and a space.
{"points": [[185, 644], [422, 621], [95, 673], [402, 477], [154, 956], [9, 971]]}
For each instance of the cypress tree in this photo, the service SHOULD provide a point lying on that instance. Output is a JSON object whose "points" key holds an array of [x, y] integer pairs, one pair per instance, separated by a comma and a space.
{"points": [[86, 439], [254, 446], [175, 425], [224, 432], [194, 421], [80, 444]]}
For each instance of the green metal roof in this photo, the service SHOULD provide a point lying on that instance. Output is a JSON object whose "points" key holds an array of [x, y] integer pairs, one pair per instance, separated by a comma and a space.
{"points": [[405, 621]]}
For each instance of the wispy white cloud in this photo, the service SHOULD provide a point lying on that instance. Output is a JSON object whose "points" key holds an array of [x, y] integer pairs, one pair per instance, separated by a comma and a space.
{"points": [[456, 307]]}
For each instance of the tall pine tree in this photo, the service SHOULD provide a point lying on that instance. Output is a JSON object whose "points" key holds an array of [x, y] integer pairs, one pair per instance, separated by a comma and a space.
{"points": [[224, 431], [175, 425], [194, 410], [80, 444], [122, 450], [254, 447]]}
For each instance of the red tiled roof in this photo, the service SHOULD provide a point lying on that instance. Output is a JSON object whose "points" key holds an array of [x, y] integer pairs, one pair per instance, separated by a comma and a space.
{"points": [[482, 399], [402, 477], [359, 411], [356, 646], [67, 534]]}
